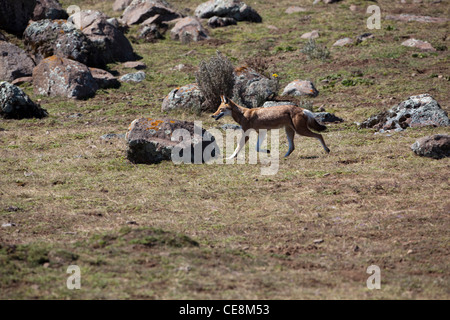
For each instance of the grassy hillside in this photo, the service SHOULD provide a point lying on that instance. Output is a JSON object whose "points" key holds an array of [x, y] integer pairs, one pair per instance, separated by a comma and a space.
{"points": [[224, 231]]}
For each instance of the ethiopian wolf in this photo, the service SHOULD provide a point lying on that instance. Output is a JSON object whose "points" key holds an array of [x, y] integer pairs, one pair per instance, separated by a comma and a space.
{"points": [[294, 119]]}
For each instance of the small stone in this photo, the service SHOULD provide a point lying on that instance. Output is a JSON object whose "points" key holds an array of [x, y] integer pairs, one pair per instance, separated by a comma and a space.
{"points": [[318, 241], [138, 65], [8, 225]]}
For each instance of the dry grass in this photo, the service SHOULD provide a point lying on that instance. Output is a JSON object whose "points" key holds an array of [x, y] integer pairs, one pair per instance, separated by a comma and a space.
{"points": [[371, 200]]}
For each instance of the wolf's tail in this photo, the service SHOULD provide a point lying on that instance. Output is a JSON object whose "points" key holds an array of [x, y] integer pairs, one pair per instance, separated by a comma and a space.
{"points": [[312, 122]]}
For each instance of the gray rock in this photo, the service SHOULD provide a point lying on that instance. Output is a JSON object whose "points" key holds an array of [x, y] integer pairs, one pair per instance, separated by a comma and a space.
{"points": [[46, 38], [15, 104], [152, 141], [300, 88], [269, 104], [343, 42], [189, 29], [56, 76], [326, 117], [120, 5], [150, 33], [219, 22], [140, 10], [228, 126], [417, 111], [422, 45], [48, 9], [188, 97], [235, 9], [15, 63], [410, 17], [436, 146], [110, 45], [252, 89], [104, 79], [112, 136], [133, 77]]}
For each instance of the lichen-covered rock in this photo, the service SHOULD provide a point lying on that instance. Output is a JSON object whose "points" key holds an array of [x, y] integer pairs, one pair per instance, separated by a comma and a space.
{"points": [[417, 111], [110, 45], [46, 38], [436, 146], [15, 104], [104, 79], [140, 10], [14, 63], [133, 77], [153, 140], [300, 88], [235, 9], [15, 14], [252, 89], [48, 9], [219, 22], [56, 76], [188, 97], [189, 29]]}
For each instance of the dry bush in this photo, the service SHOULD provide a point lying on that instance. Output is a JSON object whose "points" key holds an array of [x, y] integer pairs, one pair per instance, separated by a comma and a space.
{"points": [[315, 51], [215, 78]]}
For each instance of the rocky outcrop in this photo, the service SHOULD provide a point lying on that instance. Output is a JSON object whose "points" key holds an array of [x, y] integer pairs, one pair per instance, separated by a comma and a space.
{"points": [[417, 111], [300, 88], [15, 104], [189, 29], [235, 9], [14, 63], [436, 146], [109, 43], [56, 76], [46, 38], [188, 97], [140, 10], [154, 140]]}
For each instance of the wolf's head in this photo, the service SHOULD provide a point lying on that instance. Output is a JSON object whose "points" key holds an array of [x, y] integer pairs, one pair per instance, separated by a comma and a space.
{"points": [[224, 109]]}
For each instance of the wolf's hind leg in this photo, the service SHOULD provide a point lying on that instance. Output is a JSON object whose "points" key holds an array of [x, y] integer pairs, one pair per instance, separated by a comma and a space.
{"points": [[261, 136], [290, 133]]}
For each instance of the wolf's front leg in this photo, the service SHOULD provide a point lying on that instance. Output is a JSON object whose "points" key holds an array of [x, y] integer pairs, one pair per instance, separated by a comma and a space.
{"points": [[241, 144]]}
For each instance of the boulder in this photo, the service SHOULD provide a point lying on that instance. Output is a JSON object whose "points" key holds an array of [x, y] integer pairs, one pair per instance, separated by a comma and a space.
{"points": [[56, 76], [15, 14], [310, 35], [436, 146], [188, 97], [140, 10], [219, 22], [15, 63], [417, 111], [133, 77], [300, 88], [235, 9], [422, 45], [15, 104], [48, 9], [343, 42], [326, 117], [150, 33], [46, 38], [152, 141], [120, 5], [189, 29], [104, 79], [252, 89], [110, 45]]}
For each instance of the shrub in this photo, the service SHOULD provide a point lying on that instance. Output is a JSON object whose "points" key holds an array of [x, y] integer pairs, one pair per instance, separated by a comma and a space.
{"points": [[215, 78], [315, 51]]}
